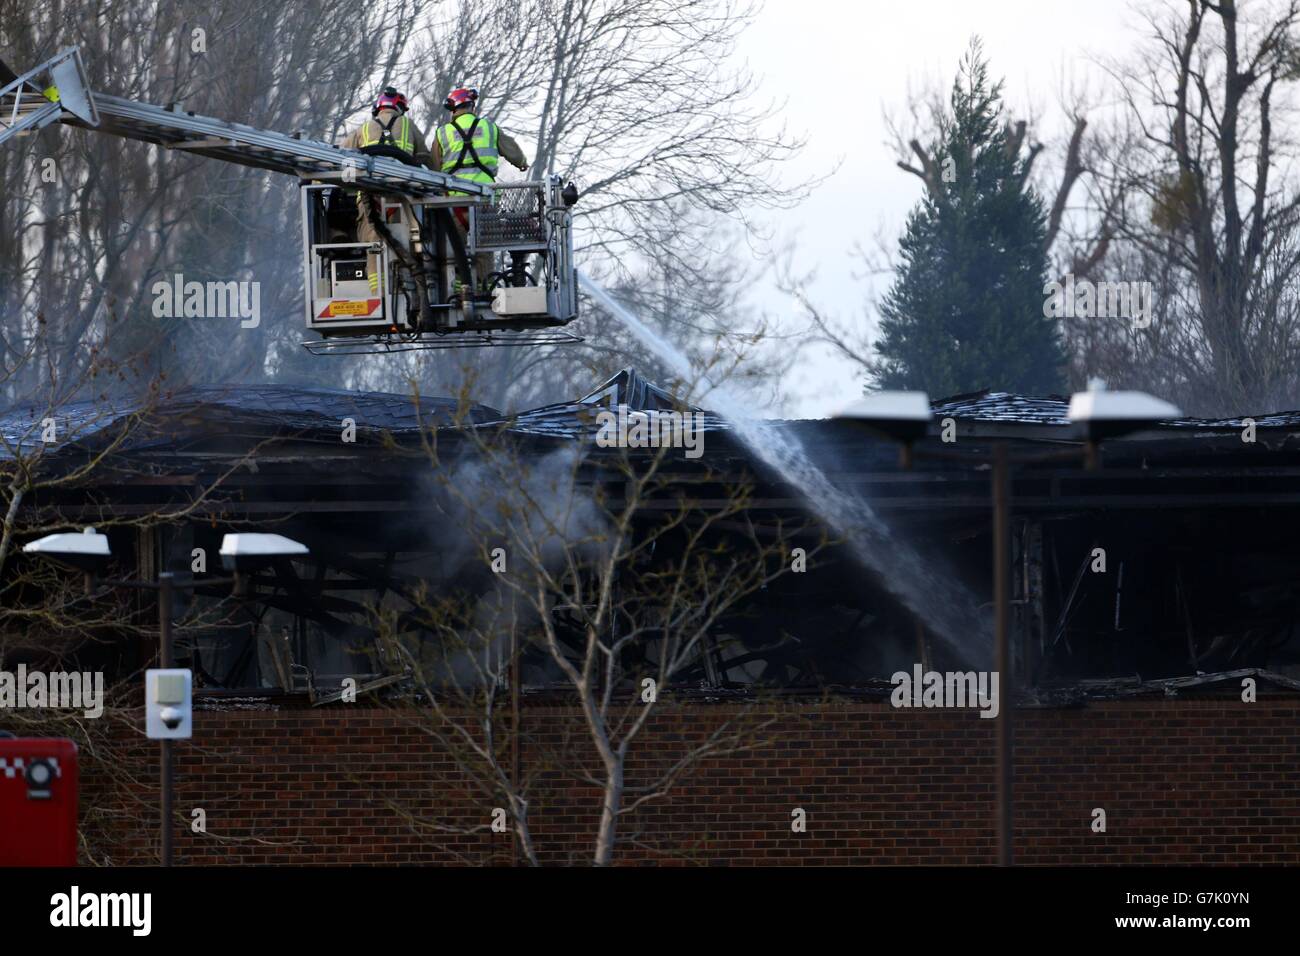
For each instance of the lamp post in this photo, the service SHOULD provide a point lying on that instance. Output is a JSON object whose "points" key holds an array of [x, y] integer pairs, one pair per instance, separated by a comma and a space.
{"points": [[905, 417], [166, 772], [89, 552]]}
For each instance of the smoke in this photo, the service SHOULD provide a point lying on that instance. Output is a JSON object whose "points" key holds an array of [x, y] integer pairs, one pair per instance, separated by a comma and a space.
{"points": [[535, 509], [529, 521]]}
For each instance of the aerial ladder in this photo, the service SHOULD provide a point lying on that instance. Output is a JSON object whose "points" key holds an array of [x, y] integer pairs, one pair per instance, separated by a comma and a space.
{"points": [[430, 295]]}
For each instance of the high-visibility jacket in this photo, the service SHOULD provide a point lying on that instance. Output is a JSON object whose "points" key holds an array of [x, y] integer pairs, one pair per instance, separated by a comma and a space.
{"points": [[396, 131], [391, 128], [401, 133], [470, 148]]}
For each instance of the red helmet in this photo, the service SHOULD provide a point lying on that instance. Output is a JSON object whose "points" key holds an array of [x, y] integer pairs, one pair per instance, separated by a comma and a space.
{"points": [[390, 99], [459, 98]]}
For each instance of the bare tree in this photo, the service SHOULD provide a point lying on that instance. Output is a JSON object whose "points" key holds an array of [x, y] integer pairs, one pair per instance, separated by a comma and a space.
{"points": [[1186, 187], [635, 100], [59, 448], [640, 103], [1211, 208], [83, 249], [607, 590]]}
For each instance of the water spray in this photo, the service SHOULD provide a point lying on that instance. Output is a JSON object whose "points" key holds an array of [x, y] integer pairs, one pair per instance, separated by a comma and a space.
{"points": [[943, 604]]}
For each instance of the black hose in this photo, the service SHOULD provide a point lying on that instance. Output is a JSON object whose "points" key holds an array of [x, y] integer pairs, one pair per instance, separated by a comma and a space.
{"points": [[417, 274]]}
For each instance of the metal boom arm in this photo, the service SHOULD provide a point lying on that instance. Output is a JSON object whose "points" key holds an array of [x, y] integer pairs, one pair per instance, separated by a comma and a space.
{"points": [[25, 106]]}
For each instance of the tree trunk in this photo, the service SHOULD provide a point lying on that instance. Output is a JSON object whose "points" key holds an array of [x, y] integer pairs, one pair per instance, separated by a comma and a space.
{"points": [[609, 812]]}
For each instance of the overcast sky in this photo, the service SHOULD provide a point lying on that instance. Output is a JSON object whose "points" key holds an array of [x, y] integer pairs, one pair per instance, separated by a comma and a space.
{"points": [[848, 62]]}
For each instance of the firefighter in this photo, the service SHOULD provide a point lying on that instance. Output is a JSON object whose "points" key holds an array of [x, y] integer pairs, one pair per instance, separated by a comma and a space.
{"points": [[389, 129], [471, 147]]}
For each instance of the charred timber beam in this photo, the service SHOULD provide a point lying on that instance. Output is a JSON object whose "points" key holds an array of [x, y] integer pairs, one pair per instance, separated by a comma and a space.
{"points": [[233, 511]]}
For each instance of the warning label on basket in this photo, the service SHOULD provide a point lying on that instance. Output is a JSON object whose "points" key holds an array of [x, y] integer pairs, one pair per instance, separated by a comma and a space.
{"points": [[349, 307]]}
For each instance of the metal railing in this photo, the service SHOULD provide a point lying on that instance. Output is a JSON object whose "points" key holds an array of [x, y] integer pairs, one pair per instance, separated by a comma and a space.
{"points": [[24, 106]]}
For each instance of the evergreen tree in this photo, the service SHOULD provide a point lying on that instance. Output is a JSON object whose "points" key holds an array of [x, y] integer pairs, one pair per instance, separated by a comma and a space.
{"points": [[965, 311]]}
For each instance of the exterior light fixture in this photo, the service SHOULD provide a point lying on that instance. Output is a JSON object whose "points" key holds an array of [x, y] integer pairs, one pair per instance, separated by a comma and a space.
{"points": [[1111, 414], [87, 550], [903, 417], [247, 552]]}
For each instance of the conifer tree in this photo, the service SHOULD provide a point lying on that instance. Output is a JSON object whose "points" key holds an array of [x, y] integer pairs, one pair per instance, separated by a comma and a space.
{"points": [[965, 311]]}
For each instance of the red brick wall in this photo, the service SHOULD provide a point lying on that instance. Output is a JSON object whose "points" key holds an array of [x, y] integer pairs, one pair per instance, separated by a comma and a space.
{"points": [[1182, 781]]}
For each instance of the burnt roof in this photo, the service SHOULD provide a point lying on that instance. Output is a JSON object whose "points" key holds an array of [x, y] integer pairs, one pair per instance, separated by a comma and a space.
{"points": [[989, 406], [280, 408], [627, 388], [1012, 409], [294, 411], [315, 413]]}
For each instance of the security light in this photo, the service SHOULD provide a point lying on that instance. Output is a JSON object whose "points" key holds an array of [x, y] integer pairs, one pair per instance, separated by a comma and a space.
{"points": [[248, 552], [168, 703], [87, 550]]}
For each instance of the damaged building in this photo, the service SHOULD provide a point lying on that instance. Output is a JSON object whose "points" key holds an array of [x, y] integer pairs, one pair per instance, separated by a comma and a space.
{"points": [[1169, 573], [1175, 559]]}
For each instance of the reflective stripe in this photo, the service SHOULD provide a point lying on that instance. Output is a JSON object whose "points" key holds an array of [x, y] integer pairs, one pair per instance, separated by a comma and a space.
{"points": [[403, 138], [484, 141]]}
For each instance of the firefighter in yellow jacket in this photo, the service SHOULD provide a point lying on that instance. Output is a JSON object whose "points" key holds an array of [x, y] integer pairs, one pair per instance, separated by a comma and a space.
{"points": [[471, 147], [388, 132]]}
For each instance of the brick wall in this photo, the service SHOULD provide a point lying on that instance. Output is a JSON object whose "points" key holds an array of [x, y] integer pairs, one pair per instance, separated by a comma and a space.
{"points": [[1182, 781]]}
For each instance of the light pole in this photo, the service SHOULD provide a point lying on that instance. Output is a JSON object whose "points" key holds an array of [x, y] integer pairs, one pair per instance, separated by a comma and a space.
{"points": [[905, 417], [1001, 479], [166, 589], [89, 552]]}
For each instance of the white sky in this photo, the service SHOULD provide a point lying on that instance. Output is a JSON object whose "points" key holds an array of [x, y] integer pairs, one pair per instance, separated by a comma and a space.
{"points": [[851, 61]]}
